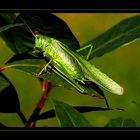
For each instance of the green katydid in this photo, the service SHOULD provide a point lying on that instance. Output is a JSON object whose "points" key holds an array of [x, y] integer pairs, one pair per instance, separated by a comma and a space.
{"points": [[70, 65]]}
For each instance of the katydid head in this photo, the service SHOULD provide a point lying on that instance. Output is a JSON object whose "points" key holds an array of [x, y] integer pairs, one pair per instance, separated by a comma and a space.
{"points": [[41, 42]]}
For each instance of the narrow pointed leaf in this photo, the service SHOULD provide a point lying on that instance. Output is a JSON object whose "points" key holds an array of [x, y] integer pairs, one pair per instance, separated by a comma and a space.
{"points": [[43, 23], [121, 34], [31, 65], [68, 116], [81, 109], [25, 62], [51, 26]]}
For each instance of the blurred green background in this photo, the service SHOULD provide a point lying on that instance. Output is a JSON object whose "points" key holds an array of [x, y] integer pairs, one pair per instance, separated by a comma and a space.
{"points": [[122, 65]]}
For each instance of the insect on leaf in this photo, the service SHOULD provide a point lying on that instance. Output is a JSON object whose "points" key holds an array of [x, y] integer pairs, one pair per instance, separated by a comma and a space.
{"points": [[93, 74], [31, 64], [68, 116], [98, 77]]}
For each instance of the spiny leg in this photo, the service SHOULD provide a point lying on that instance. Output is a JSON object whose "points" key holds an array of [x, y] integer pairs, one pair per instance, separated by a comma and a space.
{"points": [[44, 69]]}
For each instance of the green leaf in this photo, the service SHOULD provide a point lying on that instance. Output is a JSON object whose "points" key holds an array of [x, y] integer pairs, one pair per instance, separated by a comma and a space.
{"points": [[121, 34], [35, 66], [51, 26], [27, 65], [121, 122], [27, 87], [81, 109], [42, 23], [68, 116]]}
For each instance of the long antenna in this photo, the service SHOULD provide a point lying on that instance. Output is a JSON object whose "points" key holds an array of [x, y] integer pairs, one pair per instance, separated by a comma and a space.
{"points": [[27, 26]]}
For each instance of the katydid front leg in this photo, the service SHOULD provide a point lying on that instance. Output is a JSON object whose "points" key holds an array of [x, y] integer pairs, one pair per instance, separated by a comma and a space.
{"points": [[44, 69]]}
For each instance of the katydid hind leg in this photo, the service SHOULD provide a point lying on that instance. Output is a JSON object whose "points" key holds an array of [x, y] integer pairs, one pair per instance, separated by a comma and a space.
{"points": [[90, 47], [81, 87], [61, 72]]}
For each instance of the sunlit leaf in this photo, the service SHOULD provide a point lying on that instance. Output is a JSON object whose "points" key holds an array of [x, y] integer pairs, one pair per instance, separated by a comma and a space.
{"points": [[81, 109], [68, 116]]}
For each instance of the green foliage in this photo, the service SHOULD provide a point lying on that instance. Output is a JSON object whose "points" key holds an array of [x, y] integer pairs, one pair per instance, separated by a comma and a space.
{"points": [[68, 116], [19, 39]]}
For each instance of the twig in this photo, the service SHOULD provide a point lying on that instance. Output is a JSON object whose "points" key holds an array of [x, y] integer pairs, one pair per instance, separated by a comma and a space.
{"points": [[46, 87]]}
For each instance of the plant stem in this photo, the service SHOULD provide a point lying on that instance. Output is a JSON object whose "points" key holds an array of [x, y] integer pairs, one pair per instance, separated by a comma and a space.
{"points": [[46, 87]]}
